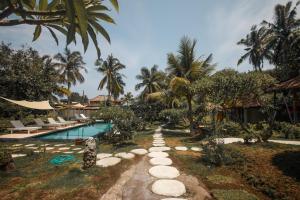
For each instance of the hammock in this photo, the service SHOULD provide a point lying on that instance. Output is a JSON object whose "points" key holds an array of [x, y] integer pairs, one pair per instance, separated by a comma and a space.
{"points": [[39, 105]]}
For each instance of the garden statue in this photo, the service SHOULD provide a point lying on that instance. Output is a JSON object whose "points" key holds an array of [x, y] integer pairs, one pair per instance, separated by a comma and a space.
{"points": [[90, 153]]}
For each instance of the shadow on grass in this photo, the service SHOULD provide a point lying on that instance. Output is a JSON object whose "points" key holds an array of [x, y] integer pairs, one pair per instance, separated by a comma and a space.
{"points": [[289, 163], [174, 133]]}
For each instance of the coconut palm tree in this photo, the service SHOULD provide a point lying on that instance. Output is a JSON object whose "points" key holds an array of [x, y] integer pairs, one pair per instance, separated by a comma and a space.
{"points": [[256, 47], [128, 98], [70, 66], [151, 81], [112, 78], [185, 69]]}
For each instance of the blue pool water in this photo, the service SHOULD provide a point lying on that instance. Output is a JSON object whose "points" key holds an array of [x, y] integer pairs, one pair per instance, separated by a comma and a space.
{"points": [[86, 131]]}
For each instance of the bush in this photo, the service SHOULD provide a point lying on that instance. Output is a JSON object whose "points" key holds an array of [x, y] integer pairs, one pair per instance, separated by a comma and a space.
{"points": [[290, 131], [218, 154], [230, 128], [173, 116]]}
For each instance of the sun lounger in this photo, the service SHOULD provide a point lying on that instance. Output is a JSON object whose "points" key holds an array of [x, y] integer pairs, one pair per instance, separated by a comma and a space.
{"points": [[19, 126], [40, 122], [79, 118], [62, 120], [52, 121], [84, 117]]}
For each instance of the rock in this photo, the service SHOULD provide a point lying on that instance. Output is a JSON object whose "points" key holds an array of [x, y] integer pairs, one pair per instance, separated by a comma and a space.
{"points": [[181, 148], [171, 188], [196, 149], [90, 153], [139, 151], [173, 199], [80, 151], [49, 148], [63, 148], [158, 154], [106, 162], [125, 155], [32, 148], [17, 145], [103, 155], [158, 145], [18, 155], [164, 172], [157, 149], [29, 145], [161, 161], [76, 149], [59, 145]]}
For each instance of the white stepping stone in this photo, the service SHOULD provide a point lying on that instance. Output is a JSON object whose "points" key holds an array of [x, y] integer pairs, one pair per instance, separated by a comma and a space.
{"points": [[80, 151], [181, 148], [44, 145], [68, 152], [76, 149], [160, 161], [59, 145], [173, 199], [196, 149], [171, 188], [139, 151], [106, 162], [32, 147], [29, 145], [158, 145], [72, 145], [103, 155], [37, 151], [125, 155], [18, 155], [164, 172], [17, 145], [158, 141], [64, 148], [158, 137], [158, 154], [157, 149], [49, 148]]}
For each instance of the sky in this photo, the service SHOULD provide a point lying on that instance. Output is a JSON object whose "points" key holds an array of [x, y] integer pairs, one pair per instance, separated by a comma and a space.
{"points": [[147, 30]]}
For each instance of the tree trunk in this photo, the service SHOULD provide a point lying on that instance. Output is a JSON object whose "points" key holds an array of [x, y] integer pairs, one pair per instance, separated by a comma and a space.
{"points": [[69, 101], [190, 114]]}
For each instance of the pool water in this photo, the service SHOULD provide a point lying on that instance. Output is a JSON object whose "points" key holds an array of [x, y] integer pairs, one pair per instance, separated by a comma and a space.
{"points": [[85, 131]]}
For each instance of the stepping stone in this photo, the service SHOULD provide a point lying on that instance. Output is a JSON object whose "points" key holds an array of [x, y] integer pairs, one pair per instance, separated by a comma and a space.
{"points": [[17, 145], [125, 155], [161, 161], [173, 199], [76, 149], [49, 148], [106, 162], [29, 145], [37, 151], [164, 172], [72, 145], [171, 188], [157, 149], [80, 151], [44, 145], [196, 149], [157, 135], [18, 155], [181, 148], [158, 145], [32, 147], [68, 152], [139, 151], [64, 148], [158, 154], [103, 155], [59, 145], [159, 141]]}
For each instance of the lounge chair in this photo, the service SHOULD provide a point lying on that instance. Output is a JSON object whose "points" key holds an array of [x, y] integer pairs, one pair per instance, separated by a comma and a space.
{"points": [[40, 122], [19, 126], [80, 118], [52, 121], [62, 120], [84, 117]]}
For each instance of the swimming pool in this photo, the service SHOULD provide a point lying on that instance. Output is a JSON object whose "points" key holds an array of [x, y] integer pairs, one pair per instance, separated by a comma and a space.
{"points": [[85, 131]]}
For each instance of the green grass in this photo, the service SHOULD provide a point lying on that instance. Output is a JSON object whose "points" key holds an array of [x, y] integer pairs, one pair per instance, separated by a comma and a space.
{"points": [[233, 195]]}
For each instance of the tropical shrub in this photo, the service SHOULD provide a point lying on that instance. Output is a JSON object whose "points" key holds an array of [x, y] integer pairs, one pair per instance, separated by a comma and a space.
{"points": [[172, 116], [230, 128], [290, 131]]}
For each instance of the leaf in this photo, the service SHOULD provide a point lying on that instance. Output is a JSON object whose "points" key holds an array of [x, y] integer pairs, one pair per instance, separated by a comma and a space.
{"points": [[94, 38], [59, 28], [82, 21], [71, 18], [104, 17], [43, 4], [100, 29], [29, 4], [53, 4], [96, 8], [53, 35], [37, 32], [115, 4]]}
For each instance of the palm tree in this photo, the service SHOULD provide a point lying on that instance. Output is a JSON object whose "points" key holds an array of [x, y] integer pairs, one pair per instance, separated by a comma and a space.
{"points": [[112, 79], [70, 67], [151, 81], [128, 98], [256, 47], [185, 70]]}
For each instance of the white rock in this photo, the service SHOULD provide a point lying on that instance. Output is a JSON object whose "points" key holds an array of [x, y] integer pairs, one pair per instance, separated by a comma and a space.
{"points": [[158, 154], [181, 148], [172, 188], [196, 149], [63, 148], [103, 155], [37, 151], [18, 155], [29, 145], [173, 199], [32, 147], [164, 172], [158, 145], [59, 145], [49, 148], [139, 151], [157, 149], [106, 162], [76, 149], [160, 161], [80, 151], [125, 155], [17, 145]]}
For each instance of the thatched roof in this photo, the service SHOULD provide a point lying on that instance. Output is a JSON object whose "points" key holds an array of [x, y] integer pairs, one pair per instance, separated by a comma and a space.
{"points": [[99, 98], [291, 84]]}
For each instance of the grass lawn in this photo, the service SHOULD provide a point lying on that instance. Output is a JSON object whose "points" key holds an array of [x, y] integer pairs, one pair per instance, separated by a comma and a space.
{"points": [[271, 171], [36, 178]]}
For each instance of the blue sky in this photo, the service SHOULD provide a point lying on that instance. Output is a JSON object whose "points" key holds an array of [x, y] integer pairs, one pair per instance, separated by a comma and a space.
{"points": [[147, 30]]}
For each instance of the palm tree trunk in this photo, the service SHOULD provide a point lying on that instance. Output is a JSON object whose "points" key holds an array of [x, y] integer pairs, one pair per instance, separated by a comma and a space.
{"points": [[190, 114], [69, 101]]}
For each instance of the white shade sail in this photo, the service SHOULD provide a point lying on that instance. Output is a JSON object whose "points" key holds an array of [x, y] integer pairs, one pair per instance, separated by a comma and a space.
{"points": [[39, 105]]}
